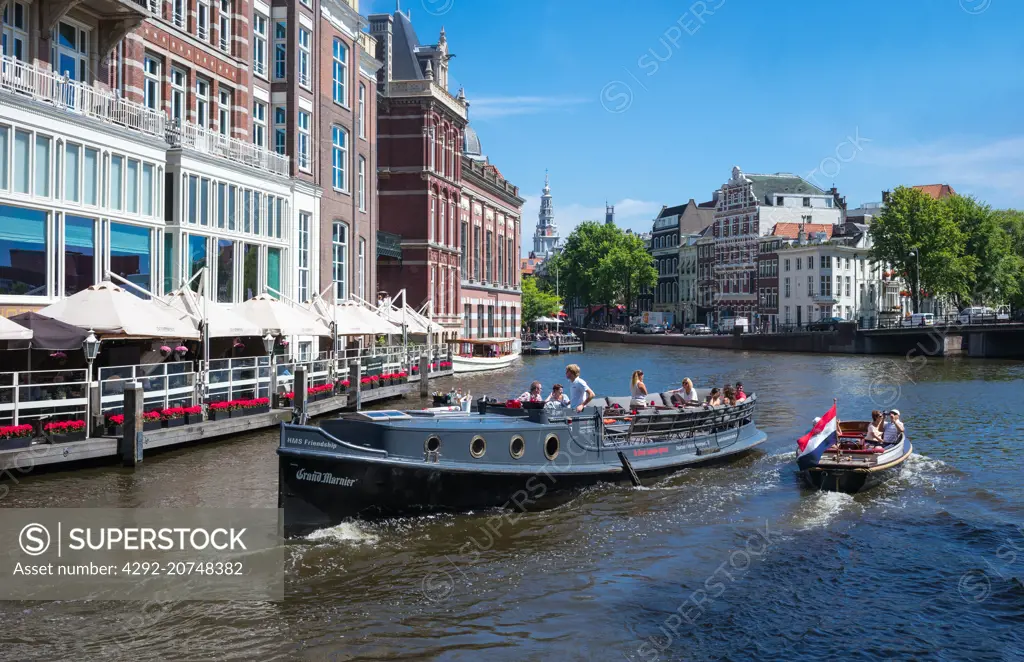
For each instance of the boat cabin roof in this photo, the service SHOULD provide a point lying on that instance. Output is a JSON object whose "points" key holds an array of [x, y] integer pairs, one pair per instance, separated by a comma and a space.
{"points": [[481, 341]]}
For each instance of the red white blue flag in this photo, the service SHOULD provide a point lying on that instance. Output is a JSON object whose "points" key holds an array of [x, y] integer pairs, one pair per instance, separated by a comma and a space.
{"points": [[811, 446]]}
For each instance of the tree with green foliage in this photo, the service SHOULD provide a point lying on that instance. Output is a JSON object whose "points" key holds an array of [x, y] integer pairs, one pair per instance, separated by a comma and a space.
{"points": [[914, 222], [537, 302], [996, 269], [603, 264]]}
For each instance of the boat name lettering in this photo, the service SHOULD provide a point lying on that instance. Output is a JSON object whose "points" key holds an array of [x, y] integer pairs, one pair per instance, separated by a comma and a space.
{"points": [[640, 452], [326, 478], [308, 441]]}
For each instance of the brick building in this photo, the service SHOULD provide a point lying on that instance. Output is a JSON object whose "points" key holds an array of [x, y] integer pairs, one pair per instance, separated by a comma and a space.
{"points": [[152, 139], [420, 138]]}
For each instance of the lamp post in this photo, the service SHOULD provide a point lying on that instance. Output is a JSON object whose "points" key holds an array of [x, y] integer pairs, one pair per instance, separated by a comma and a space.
{"points": [[916, 254], [91, 347], [268, 344]]}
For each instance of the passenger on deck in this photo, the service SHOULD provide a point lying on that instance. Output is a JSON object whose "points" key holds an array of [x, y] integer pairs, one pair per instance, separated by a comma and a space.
{"points": [[715, 397], [892, 430], [637, 390], [687, 395], [535, 394], [557, 395], [580, 394], [874, 431], [728, 396], [740, 395]]}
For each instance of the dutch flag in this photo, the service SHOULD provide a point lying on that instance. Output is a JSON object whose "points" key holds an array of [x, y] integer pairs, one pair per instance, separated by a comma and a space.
{"points": [[814, 443]]}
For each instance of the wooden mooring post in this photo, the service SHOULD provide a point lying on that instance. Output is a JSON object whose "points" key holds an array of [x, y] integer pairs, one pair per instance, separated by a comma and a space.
{"points": [[355, 380], [424, 375], [129, 446], [299, 394]]}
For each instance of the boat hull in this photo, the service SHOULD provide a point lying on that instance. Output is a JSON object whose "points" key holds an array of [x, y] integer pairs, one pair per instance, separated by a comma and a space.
{"points": [[831, 477], [463, 364]]}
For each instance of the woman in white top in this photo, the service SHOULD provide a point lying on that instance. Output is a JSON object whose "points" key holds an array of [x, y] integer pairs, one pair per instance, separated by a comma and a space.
{"points": [[687, 393], [637, 390]]}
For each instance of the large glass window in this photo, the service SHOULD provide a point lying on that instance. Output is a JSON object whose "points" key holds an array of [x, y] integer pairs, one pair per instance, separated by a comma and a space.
{"points": [[280, 50], [42, 184], [232, 195], [305, 36], [168, 263], [22, 160], [362, 268], [79, 253], [225, 25], [362, 184], [340, 72], [280, 129], [259, 44], [303, 140], [259, 124], [225, 270], [224, 112], [464, 239], [147, 187], [274, 271], [204, 200], [179, 80], [152, 85], [339, 257], [130, 254], [222, 194], [72, 154], [116, 178], [362, 111], [23, 251], [196, 257], [257, 205], [5, 137], [131, 186], [305, 219], [91, 177], [250, 271], [339, 157]]}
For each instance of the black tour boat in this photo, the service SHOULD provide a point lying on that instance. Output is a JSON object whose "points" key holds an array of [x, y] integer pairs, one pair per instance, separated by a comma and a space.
{"points": [[377, 464]]}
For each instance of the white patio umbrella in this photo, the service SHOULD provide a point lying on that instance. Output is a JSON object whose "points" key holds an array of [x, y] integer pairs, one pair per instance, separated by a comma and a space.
{"points": [[354, 319], [278, 318], [13, 331], [417, 323], [220, 321], [110, 310]]}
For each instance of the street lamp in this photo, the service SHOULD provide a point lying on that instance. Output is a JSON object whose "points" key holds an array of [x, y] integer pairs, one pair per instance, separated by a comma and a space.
{"points": [[268, 342], [916, 254], [91, 347]]}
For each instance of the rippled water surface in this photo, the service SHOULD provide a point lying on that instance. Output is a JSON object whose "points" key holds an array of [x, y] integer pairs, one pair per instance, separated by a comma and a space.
{"points": [[732, 562]]}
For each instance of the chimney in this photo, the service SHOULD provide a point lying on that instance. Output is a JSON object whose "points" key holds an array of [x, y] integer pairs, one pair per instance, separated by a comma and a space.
{"points": [[381, 30], [801, 235]]}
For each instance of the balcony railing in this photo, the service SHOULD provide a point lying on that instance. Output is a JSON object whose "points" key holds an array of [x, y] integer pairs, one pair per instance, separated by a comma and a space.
{"points": [[201, 139], [45, 85], [427, 88]]}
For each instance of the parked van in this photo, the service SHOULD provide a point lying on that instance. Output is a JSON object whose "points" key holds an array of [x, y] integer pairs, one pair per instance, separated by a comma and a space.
{"points": [[977, 315], [730, 324], [919, 319]]}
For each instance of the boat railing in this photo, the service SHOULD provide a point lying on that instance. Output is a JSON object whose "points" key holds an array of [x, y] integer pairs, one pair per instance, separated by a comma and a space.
{"points": [[239, 378], [164, 385], [658, 424], [34, 394]]}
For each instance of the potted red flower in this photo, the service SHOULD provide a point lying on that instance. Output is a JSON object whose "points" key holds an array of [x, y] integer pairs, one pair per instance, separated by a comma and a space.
{"points": [[342, 386], [59, 432], [259, 405], [385, 379], [365, 383], [173, 417], [15, 436], [115, 424], [193, 414], [374, 381], [220, 410], [152, 420], [403, 377], [286, 399]]}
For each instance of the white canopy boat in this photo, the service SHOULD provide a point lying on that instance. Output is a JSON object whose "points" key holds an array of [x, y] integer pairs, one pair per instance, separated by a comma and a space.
{"points": [[482, 354]]}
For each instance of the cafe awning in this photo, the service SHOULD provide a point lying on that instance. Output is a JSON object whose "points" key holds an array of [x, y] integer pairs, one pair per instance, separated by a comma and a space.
{"points": [[221, 322], [353, 319], [415, 322], [279, 319], [112, 311], [12, 331], [48, 333]]}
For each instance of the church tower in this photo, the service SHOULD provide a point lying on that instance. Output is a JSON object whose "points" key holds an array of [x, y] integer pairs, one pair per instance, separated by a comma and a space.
{"points": [[545, 239]]}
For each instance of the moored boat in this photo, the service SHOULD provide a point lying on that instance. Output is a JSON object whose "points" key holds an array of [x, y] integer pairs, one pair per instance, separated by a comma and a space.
{"points": [[538, 347], [847, 463], [482, 354], [388, 463]]}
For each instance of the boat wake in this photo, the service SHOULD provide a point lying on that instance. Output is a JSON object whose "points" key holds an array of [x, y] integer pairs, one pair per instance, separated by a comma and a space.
{"points": [[822, 508], [923, 471], [346, 532]]}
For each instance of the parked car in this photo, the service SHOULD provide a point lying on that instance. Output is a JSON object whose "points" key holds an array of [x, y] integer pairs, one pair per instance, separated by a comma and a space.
{"points": [[697, 329], [919, 319], [657, 328], [826, 324], [977, 315], [641, 328]]}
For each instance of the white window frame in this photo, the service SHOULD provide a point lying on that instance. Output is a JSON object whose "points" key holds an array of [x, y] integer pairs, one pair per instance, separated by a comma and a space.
{"points": [[15, 37], [259, 45], [305, 39], [339, 260], [339, 158], [362, 268], [225, 26], [224, 112], [179, 94], [280, 129], [362, 183], [303, 284], [339, 72], [203, 13], [179, 13], [151, 68], [362, 111], [259, 124], [303, 121], [280, 50]]}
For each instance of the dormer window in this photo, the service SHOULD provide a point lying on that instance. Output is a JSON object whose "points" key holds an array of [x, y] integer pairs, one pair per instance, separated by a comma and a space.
{"points": [[779, 200]]}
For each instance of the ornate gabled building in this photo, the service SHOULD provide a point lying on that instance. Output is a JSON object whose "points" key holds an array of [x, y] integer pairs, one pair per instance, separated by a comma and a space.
{"points": [[420, 142], [545, 238]]}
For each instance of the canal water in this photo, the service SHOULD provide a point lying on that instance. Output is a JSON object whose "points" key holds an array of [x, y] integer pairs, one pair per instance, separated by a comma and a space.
{"points": [[733, 562]]}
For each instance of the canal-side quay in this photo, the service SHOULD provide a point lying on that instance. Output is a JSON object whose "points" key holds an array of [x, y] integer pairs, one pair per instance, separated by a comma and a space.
{"points": [[135, 441], [1002, 341]]}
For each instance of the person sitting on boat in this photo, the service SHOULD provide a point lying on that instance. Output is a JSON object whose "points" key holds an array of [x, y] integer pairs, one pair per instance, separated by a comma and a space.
{"points": [[686, 395], [637, 390], [740, 395], [558, 396], [874, 431], [728, 396], [715, 397], [580, 394], [892, 430], [534, 394]]}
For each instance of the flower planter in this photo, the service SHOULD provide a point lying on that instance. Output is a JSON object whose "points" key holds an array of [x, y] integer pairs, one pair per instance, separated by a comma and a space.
{"points": [[220, 414], [65, 438], [192, 419], [115, 430], [149, 426], [13, 443], [285, 403], [173, 422], [262, 409]]}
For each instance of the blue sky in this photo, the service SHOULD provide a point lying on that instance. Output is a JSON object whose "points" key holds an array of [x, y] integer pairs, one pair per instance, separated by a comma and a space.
{"points": [[652, 102]]}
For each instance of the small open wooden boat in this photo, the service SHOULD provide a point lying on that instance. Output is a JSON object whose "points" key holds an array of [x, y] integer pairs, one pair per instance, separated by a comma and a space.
{"points": [[853, 465]]}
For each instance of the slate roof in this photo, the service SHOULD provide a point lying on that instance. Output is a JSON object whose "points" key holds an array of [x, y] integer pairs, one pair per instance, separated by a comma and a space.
{"points": [[405, 65], [766, 186]]}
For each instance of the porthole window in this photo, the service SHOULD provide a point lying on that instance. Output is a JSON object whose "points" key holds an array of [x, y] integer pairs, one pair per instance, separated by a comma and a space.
{"points": [[477, 447], [432, 445], [517, 447], [551, 447]]}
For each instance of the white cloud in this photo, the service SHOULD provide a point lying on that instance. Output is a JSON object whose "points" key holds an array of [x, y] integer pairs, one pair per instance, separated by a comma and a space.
{"points": [[993, 170], [636, 215], [492, 107]]}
